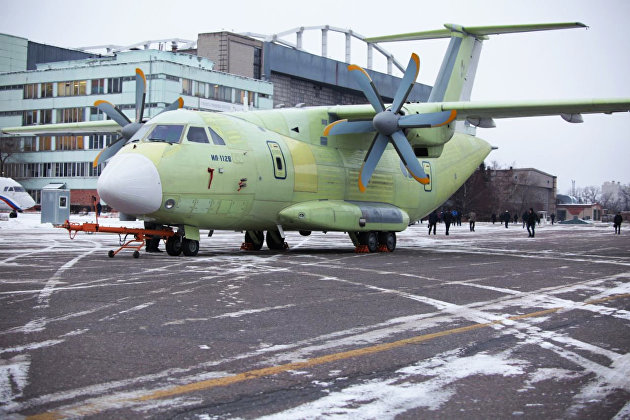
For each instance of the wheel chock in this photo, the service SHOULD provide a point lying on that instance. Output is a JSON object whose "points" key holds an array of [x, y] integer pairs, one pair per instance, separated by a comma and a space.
{"points": [[361, 249], [383, 248], [247, 246]]}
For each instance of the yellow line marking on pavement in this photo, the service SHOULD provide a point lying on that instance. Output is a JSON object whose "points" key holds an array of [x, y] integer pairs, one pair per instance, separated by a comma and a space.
{"points": [[274, 370]]}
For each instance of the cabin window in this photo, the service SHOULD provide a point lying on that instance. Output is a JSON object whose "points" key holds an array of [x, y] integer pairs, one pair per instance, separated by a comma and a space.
{"points": [[197, 135], [168, 133], [216, 139]]}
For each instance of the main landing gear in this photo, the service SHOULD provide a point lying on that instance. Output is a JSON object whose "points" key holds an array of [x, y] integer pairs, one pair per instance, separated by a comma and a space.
{"points": [[366, 242], [176, 245]]}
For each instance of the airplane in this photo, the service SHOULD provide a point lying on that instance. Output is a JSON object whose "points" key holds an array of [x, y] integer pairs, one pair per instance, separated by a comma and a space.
{"points": [[368, 170], [13, 196]]}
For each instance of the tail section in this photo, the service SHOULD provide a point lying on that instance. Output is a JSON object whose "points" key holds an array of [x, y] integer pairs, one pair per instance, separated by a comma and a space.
{"points": [[457, 73]]}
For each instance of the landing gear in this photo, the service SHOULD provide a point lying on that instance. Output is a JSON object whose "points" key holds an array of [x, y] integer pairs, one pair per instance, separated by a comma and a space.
{"points": [[174, 245], [367, 242], [275, 241], [190, 247], [254, 240]]}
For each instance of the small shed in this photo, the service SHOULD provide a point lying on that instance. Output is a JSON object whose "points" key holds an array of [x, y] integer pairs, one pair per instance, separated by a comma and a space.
{"points": [[55, 203]]}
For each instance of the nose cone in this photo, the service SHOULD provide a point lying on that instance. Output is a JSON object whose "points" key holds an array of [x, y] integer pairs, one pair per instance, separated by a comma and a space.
{"points": [[130, 183]]}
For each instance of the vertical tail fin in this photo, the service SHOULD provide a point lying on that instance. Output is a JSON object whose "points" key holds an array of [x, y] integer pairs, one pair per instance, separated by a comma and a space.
{"points": [[457, 73]]}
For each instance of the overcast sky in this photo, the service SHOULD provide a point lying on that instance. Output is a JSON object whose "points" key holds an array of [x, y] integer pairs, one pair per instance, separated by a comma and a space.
{"points": [[574, 63]]}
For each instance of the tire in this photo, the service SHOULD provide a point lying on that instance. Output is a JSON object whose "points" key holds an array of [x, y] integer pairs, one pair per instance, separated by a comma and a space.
{"points": [[136, 254], [274, 240], [370, 239], [388, 239], [111, 254], [190, 247], [174, 245], [256, 238]]}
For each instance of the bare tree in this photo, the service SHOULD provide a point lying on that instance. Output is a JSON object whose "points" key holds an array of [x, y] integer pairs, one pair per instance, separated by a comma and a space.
{"points": [[8, 146], [591, 193]]}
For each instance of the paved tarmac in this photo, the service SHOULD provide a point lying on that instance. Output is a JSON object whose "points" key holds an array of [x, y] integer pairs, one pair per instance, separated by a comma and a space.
{"points": [[477, 325]]}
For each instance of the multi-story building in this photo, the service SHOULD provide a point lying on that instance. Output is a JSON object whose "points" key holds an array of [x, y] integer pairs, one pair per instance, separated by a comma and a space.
{"points": [[65, 91]]}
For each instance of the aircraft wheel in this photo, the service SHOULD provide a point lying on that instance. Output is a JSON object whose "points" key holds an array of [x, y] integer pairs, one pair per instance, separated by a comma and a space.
{"points": [[305, 232], [388, 239], [136, 254], [256, 238], [190, 247], [370, 239], [174, 245], [274, 240], [111, 254]]}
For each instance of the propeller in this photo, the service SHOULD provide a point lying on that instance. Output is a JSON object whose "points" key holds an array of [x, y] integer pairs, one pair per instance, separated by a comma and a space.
{"points": [[389, 123], [129, 128]]}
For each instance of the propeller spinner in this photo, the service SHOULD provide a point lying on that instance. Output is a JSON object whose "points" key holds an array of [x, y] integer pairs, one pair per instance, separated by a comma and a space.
{"points": [[129, 128], [389, 123]]}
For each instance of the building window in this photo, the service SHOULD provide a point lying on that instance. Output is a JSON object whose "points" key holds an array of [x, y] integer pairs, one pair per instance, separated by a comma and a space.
{"points": [[45, 116], [30, 91], [29, 118], [30, 144], [45, 143], [96, 114], [71, 88], [46, 90], [114, 85], [69, 143], [98, 142], [69, 115], [200, 89], [98, 86], [187, 87], [257, 63]]}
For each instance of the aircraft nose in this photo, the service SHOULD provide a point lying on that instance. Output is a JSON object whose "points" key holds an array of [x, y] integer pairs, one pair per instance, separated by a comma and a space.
{"points": [[130, 183]]}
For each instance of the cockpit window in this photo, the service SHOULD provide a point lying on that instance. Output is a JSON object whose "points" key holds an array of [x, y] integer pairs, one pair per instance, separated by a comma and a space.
{"points": [[197, 135], [19, 189], [167, 133], [216, 139], [141, 132]]}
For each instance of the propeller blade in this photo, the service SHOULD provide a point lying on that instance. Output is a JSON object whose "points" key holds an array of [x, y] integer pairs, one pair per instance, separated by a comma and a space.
{"points": [[367, 86], [408, 157], [348, 127], [406, 84], [371, 159], [141, 88], [179, 103], [109, 151], [112, 112], [432, 119]]}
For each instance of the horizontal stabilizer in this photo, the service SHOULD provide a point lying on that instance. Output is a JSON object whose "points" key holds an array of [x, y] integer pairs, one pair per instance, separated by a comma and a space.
{"points": [[477, 31]]}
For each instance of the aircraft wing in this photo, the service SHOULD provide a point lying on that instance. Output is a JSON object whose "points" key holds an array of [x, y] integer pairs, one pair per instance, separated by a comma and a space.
{"points": [[85, 128], [517, 109]]}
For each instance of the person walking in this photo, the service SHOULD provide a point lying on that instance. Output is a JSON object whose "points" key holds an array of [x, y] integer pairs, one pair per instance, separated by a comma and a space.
{"points": [[506, 218], [448, 218], [532, 218], [433, 219], [617, 223], [553, 217], [493, 218], [525, 214], [472, 218]]}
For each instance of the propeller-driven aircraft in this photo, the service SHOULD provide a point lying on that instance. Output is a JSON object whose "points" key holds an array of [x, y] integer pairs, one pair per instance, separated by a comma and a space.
{"points": [[367, 170]]}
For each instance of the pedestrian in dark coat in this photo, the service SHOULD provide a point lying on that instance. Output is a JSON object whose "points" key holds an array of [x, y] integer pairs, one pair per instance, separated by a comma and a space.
{"points": [[493, 218], [448, 218], [506, 218], [433, 219], [532, 218], [617, 223], [553, 217]]}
